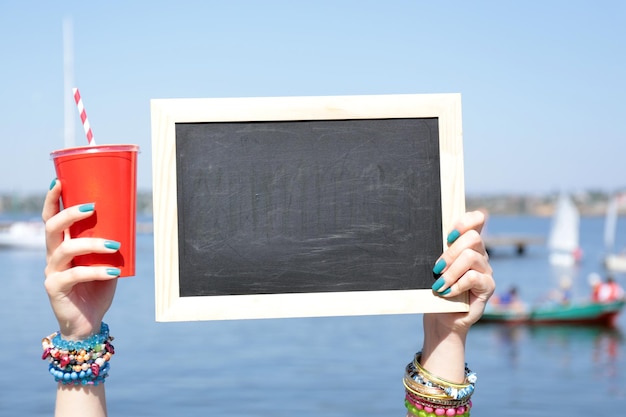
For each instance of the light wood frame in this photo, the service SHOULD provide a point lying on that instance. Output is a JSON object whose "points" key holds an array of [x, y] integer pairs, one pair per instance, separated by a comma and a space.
{"points": [[165, 113]]}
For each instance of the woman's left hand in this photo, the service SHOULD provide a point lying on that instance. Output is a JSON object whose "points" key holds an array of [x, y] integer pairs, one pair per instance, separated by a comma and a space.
{"points": [[79, 295]]}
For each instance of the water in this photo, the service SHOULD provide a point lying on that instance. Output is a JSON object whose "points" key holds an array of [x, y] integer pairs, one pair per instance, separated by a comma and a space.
{"points": [[341, 366]]}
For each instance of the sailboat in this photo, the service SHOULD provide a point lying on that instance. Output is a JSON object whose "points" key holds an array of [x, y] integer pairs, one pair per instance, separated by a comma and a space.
{"points": [[564, 237], [30, 234], [613, 261], [23, 235]]}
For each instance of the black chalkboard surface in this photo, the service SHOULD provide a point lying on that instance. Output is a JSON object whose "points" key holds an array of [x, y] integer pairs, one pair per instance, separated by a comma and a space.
{"points": [[303, 206], [307, 206]]}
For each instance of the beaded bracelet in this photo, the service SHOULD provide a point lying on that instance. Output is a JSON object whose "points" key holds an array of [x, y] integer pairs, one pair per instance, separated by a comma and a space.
{"points": [[79, 362], [419, 410], [429, 396]]}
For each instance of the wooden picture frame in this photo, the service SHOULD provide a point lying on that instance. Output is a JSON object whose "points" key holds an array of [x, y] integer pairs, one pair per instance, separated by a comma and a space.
{"points": [[184, 133]]}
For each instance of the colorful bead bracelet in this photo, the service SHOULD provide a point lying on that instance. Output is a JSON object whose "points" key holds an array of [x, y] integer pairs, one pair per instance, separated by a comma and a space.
{"points": [[428, 411], [428, 395], [80, 362], [424, 402]]}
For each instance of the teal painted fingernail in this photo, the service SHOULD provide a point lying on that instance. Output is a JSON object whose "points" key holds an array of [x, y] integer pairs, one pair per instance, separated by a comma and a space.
{"points": [[438, 284], [114, 272], [439, 266], [111, 244], [86, 207], [454, 235], [53, 183], [445, 292]]}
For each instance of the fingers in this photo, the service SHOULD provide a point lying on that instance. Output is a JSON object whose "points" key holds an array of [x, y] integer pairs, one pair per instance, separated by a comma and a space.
{"points": [[481, 285], [471, 239], [51, 204], [61, 276], [473, 220], [58, 221], [61, 249], [61, 221], [68, 249], [457, 268], [465, 264], [62, 282]]}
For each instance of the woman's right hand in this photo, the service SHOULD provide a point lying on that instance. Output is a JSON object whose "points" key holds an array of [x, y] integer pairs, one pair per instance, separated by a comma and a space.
{"points": [[79, 295]]}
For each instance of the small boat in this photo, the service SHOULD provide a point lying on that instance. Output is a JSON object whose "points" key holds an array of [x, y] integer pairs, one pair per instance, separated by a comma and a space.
{"points": [[583, 313], [615, 262], [564, 236], [23, 235], [503, 315], [587, 313]]}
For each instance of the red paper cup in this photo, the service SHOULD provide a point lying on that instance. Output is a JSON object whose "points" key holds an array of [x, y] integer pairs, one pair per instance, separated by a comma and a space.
{"points": [[107, 176]]}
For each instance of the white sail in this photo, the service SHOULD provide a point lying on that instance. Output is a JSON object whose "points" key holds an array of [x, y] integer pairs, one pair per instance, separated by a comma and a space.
{"points": [[610, 224], [565, 231], [613, 261], [69, 111]]}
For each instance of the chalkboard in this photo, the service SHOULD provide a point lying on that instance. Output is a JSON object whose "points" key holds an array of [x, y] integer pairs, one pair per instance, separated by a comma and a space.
{"points": [[284, 207]]}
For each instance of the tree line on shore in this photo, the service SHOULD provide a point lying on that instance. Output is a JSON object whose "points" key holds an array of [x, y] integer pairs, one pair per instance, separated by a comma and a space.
{"points": [[590, 203]]}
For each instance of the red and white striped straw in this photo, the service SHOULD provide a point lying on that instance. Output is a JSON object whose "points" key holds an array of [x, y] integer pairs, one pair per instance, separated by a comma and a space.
{"points": [[83, 116]]}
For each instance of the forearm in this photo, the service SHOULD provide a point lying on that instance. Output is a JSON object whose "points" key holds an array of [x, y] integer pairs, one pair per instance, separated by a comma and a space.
{"points": [[443, 352], [80, 401], [436, 380]]}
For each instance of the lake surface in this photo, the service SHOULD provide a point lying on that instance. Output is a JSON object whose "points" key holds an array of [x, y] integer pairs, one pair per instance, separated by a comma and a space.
{"points": [[338, 366]]}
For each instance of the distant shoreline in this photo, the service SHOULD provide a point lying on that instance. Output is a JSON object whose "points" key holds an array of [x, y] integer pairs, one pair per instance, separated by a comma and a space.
{"points": [[590, 203]]}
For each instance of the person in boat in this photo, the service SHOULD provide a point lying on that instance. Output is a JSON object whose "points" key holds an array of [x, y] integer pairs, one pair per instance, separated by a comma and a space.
{"points": [[608, 291], [562, 294], [595, 282], [436, 379], [510, 300]]}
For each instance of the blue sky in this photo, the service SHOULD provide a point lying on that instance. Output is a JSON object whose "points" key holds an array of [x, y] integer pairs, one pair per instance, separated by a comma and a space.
{"points": [[542, 82]]}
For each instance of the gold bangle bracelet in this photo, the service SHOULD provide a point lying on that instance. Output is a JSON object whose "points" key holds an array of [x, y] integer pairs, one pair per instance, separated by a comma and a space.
{"points": [[436, 379], [414, 376], [431, 392], [414, 380], [436, 401], [417, 391]]}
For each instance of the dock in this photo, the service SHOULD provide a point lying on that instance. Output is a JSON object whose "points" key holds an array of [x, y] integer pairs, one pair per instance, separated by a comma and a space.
{"points": [[518, 242]]}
